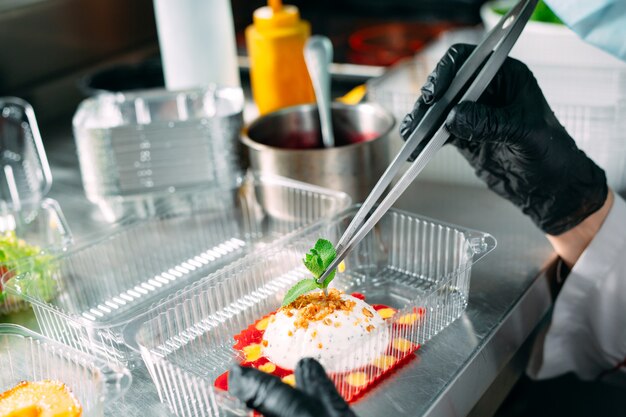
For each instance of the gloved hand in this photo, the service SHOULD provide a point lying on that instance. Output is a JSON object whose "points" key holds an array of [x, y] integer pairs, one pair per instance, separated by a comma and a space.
{"points": [[516, 145], [316, 395]]}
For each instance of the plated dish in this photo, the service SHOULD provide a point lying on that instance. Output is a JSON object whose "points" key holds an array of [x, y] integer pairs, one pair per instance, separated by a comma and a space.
{"points": [[326, 327], [325, 324]]}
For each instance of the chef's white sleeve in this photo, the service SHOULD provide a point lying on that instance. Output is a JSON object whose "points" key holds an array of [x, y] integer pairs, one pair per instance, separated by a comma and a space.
{"points": [[587, 333]]}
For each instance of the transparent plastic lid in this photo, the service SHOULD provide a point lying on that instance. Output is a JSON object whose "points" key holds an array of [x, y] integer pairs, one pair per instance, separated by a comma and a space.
{"points": [[25, 178], [158, 105]]}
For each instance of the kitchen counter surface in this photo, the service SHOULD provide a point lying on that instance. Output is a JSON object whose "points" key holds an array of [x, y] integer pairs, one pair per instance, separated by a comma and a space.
{"points": [[466, 369]]}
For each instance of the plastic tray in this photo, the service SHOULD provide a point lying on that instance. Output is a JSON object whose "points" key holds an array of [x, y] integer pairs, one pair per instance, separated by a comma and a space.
{"points": [[44, 227], [103, 285], [406, 262], [28, 356]]}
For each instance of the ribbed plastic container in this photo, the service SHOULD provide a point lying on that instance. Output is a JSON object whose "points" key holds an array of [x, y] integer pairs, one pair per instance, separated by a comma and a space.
{"points": [[142, 145], [406, 262], [101, 286], [44, 227], [28, 356]]}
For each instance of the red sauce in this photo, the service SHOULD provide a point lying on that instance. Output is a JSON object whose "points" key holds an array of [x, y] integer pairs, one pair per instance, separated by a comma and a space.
{"points": [[400, 352], [313, 140]]}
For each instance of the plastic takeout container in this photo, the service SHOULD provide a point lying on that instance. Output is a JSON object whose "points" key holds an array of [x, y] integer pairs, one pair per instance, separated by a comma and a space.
{"points": [[25, 216], [142, 145], [101, 286], [406, 262], [28, 356]]}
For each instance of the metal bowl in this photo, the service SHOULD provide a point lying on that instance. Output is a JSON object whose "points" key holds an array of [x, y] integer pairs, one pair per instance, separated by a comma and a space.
{"points": [[288, 143]]}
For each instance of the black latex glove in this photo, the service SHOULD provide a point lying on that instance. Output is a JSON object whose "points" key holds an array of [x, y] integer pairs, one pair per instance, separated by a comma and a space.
{"points": [[516, 145], [316, 395]]}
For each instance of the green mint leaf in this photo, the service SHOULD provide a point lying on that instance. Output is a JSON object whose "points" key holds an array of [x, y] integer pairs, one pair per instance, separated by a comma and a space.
{"points": [[313, 263], [300, 288], [326, 251], [320, 257], [316, 261]]}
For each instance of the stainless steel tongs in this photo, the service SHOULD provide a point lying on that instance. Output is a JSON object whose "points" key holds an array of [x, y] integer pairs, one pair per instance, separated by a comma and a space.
{"points": [[469, 83]]}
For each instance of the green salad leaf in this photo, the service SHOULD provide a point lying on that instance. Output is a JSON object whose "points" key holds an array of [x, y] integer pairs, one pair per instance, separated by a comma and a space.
{"points": [[18, 257], [317, 261]]}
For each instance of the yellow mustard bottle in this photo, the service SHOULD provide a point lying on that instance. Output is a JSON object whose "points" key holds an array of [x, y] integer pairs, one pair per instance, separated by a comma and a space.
{"points": [[275, 43]]}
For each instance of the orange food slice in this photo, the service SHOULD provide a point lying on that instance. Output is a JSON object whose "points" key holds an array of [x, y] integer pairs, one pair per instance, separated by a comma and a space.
{"points": [[384, 362], [262, 324], [290, 380], [39, 399], [357, 379], [268, 367], [402, 345], [386, 313], [252, 352]]}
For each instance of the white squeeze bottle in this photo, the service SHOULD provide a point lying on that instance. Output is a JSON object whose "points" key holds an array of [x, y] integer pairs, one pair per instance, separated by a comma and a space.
{"points": [[197, 41]]}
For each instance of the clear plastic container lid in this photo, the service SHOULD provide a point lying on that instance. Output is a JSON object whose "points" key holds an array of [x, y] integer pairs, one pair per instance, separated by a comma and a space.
{"points": [[28, 356], [26, 177]]}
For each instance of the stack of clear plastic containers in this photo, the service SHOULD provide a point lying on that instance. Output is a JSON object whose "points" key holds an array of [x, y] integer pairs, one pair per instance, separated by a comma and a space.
{"points": [[136, 148], [410, 263], [27, 356], [26, 218], [101, 286]]}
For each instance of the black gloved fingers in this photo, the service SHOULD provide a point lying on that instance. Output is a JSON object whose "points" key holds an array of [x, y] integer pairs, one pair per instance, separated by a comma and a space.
{"points": [[312, 379], [412, 119], [410, 122], [269, 395], [436, 85], [470, 121], [439, 80]]}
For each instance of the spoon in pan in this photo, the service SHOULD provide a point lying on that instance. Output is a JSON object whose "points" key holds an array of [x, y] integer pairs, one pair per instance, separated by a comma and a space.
{"points": [[318, 54]]}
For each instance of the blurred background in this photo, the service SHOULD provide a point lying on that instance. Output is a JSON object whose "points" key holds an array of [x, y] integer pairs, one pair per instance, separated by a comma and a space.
{"points": [[48, 45]]}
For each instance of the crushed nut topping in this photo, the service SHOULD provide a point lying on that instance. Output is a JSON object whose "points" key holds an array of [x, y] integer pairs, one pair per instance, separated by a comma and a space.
{"points": [[367, 313], [316, 307]]}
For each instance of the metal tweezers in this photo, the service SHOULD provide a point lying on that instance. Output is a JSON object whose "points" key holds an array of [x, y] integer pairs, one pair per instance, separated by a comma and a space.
{"points": [[466, 86]]}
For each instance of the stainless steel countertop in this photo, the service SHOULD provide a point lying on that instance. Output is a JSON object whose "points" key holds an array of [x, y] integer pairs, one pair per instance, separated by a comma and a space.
{"points": [[474, 361]]}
